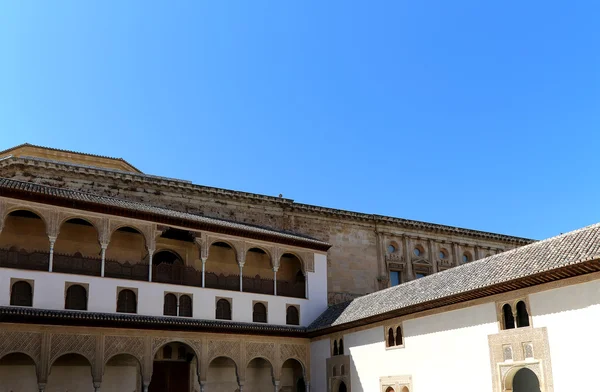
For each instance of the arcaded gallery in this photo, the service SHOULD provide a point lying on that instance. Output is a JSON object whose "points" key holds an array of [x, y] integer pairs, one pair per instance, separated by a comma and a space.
{"points": [[116, 280]]}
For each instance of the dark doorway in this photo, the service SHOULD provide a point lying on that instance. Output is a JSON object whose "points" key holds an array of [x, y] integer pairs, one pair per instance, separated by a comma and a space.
{"points": [[526, 381], [342, 387], [300, 385], [170, 376]]}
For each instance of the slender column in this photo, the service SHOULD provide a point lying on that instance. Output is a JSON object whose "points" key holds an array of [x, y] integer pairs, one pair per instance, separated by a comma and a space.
{"points": [[145, 387], [275, 269], [103, 247], [202, 386], [96, 386], [150, 253], [204, 271], [276, 383], [241, 384], [307, 384], [41, 387], [241, 288], [51, 259]]}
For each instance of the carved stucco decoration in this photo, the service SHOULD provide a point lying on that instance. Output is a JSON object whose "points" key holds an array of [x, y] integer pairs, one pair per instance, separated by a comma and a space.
{"points": [[29, 343], [196, 345], [260, 350], [115, 345], [2, 213], [295, 351], [61, 344], [224, 348], [147, 230]]}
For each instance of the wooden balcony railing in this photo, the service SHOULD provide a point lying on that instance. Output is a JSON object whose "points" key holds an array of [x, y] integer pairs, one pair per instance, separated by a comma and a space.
{"points": [[177, 274], [36, 260], [76, 264], [126, 270]]}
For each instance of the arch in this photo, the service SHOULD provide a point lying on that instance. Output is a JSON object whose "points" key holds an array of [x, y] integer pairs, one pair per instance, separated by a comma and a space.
{"points": [[259, 313], [228, 375], [392, 247], [170, 305], [21, 294], [294, 371], [177, 340], [259, 373], [116, 367], [220, 242], [167, 256], [390, 389], [76, 298], [341, 346], [27, 230], [127, 244], [288, 253], [522, 379], [399, 337], [508, 317], [342, 387], [522, 315], [405, 389], [334, 371], [127, 301], [342, 370], [31, 210], [291, 276], [185, 306], [391, 341], [129, 228], [444, 253], [18, 353], [67, 357], [261, 249], [223, 309], [167, 369], [467, 257], [419, 251], [335, 348]]}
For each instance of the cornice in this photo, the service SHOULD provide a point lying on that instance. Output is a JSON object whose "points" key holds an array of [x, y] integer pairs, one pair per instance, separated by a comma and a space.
{"points": [[288, 205]]}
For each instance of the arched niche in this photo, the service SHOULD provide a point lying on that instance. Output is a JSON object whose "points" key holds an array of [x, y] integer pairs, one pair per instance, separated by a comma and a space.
{"points": [[258, 271], [222, 375], [122, 372], [292, 374], [222, 268], [24, 230], [175, 365], [18, 372], [259, 375], [70, 372], [77, 249], [127, 244], [291, 281], [521, 379]]}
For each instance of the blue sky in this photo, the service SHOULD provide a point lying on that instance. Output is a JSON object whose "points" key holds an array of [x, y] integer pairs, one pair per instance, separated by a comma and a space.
{"points": [[479, 114]]}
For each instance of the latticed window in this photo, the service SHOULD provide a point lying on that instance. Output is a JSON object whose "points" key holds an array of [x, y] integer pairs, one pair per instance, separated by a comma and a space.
{"points": [[170, 306], [127, 302], [223, 310], [341, 347], [76, 298], [509, 319], [259, 314], [185, 306], [292, 317], [391, 342], [21, 294], [522, 315]]}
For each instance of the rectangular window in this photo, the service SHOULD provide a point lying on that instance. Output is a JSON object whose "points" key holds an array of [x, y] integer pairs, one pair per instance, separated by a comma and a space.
{"points": [[395, 278], [420, 275]]}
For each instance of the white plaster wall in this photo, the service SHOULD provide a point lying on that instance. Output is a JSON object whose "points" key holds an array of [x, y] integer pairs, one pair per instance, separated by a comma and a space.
{"points": [[572, 317], [49, 293], [319, 352], [446, 345], [18, 378]]}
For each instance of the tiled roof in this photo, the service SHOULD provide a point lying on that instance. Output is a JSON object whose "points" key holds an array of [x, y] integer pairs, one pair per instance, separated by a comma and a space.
{"points": [[545, 256], [68, 194], [70, 152], [126, 320]]}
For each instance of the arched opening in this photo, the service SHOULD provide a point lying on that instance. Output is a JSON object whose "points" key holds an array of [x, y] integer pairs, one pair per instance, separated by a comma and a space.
{"points": [[341, 347], [174, 368], [127, 301], [522, 315], [222, 375], [335, 348], [170, 305], [342, 387], [76, 298], [223, 271], [77, 250], [292, 376], [334, 371], [291, 281], [405, 389], [24, 243], [185, 306], [70, 372], [18, 373], [21, 294], [127, 255], [525, 380], [292, 317], [399, 338], [258, 272], [223, 311], [342, 370], [509, 319], [122, 372], [390, 340], [259, 313], [390, 389], [259, 376]]}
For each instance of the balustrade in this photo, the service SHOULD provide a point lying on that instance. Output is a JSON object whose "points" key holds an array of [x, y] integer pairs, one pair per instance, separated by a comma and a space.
{"points": [[36, 260], [126, 270], [77, 264]]}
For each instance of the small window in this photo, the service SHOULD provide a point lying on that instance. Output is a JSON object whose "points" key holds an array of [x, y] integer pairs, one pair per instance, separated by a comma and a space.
{"points": [[391, 248], [522, 315], [170, 306], [466, 257], [259, 314], [420, 275], [223, 309], [395, 279], [509, 319], [181, 352], [341, 347], [334, 371], [443, 254], [391, 342], [417, 252], [185, 306], [399, 340], [335, 348], [292, 317], [394, 336], [76, 298], [127, 301], [21, 294]]}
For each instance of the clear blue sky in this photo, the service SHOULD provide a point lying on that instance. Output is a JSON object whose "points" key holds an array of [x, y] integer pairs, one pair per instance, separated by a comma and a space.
{"points": [[480, 114]]}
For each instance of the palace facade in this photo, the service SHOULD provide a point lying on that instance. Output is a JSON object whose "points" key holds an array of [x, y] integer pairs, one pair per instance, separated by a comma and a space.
{"points": [[114, 280]]}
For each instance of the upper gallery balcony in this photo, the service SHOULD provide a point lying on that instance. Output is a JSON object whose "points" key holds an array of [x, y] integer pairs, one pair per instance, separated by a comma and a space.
{"points": [[86, 245]]}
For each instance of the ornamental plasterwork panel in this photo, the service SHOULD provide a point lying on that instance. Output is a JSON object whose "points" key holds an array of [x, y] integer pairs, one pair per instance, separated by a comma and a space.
{"points": [[157, 343], [396, 382], [61, 344], [29, 343], [263, 350], [224, 348], [114, 345], [2, 213], [296, 351], [309, 261]]}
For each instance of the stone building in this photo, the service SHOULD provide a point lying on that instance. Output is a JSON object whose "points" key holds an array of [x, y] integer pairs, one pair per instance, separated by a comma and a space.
{"points": [[368, 253], [103, 292]]}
